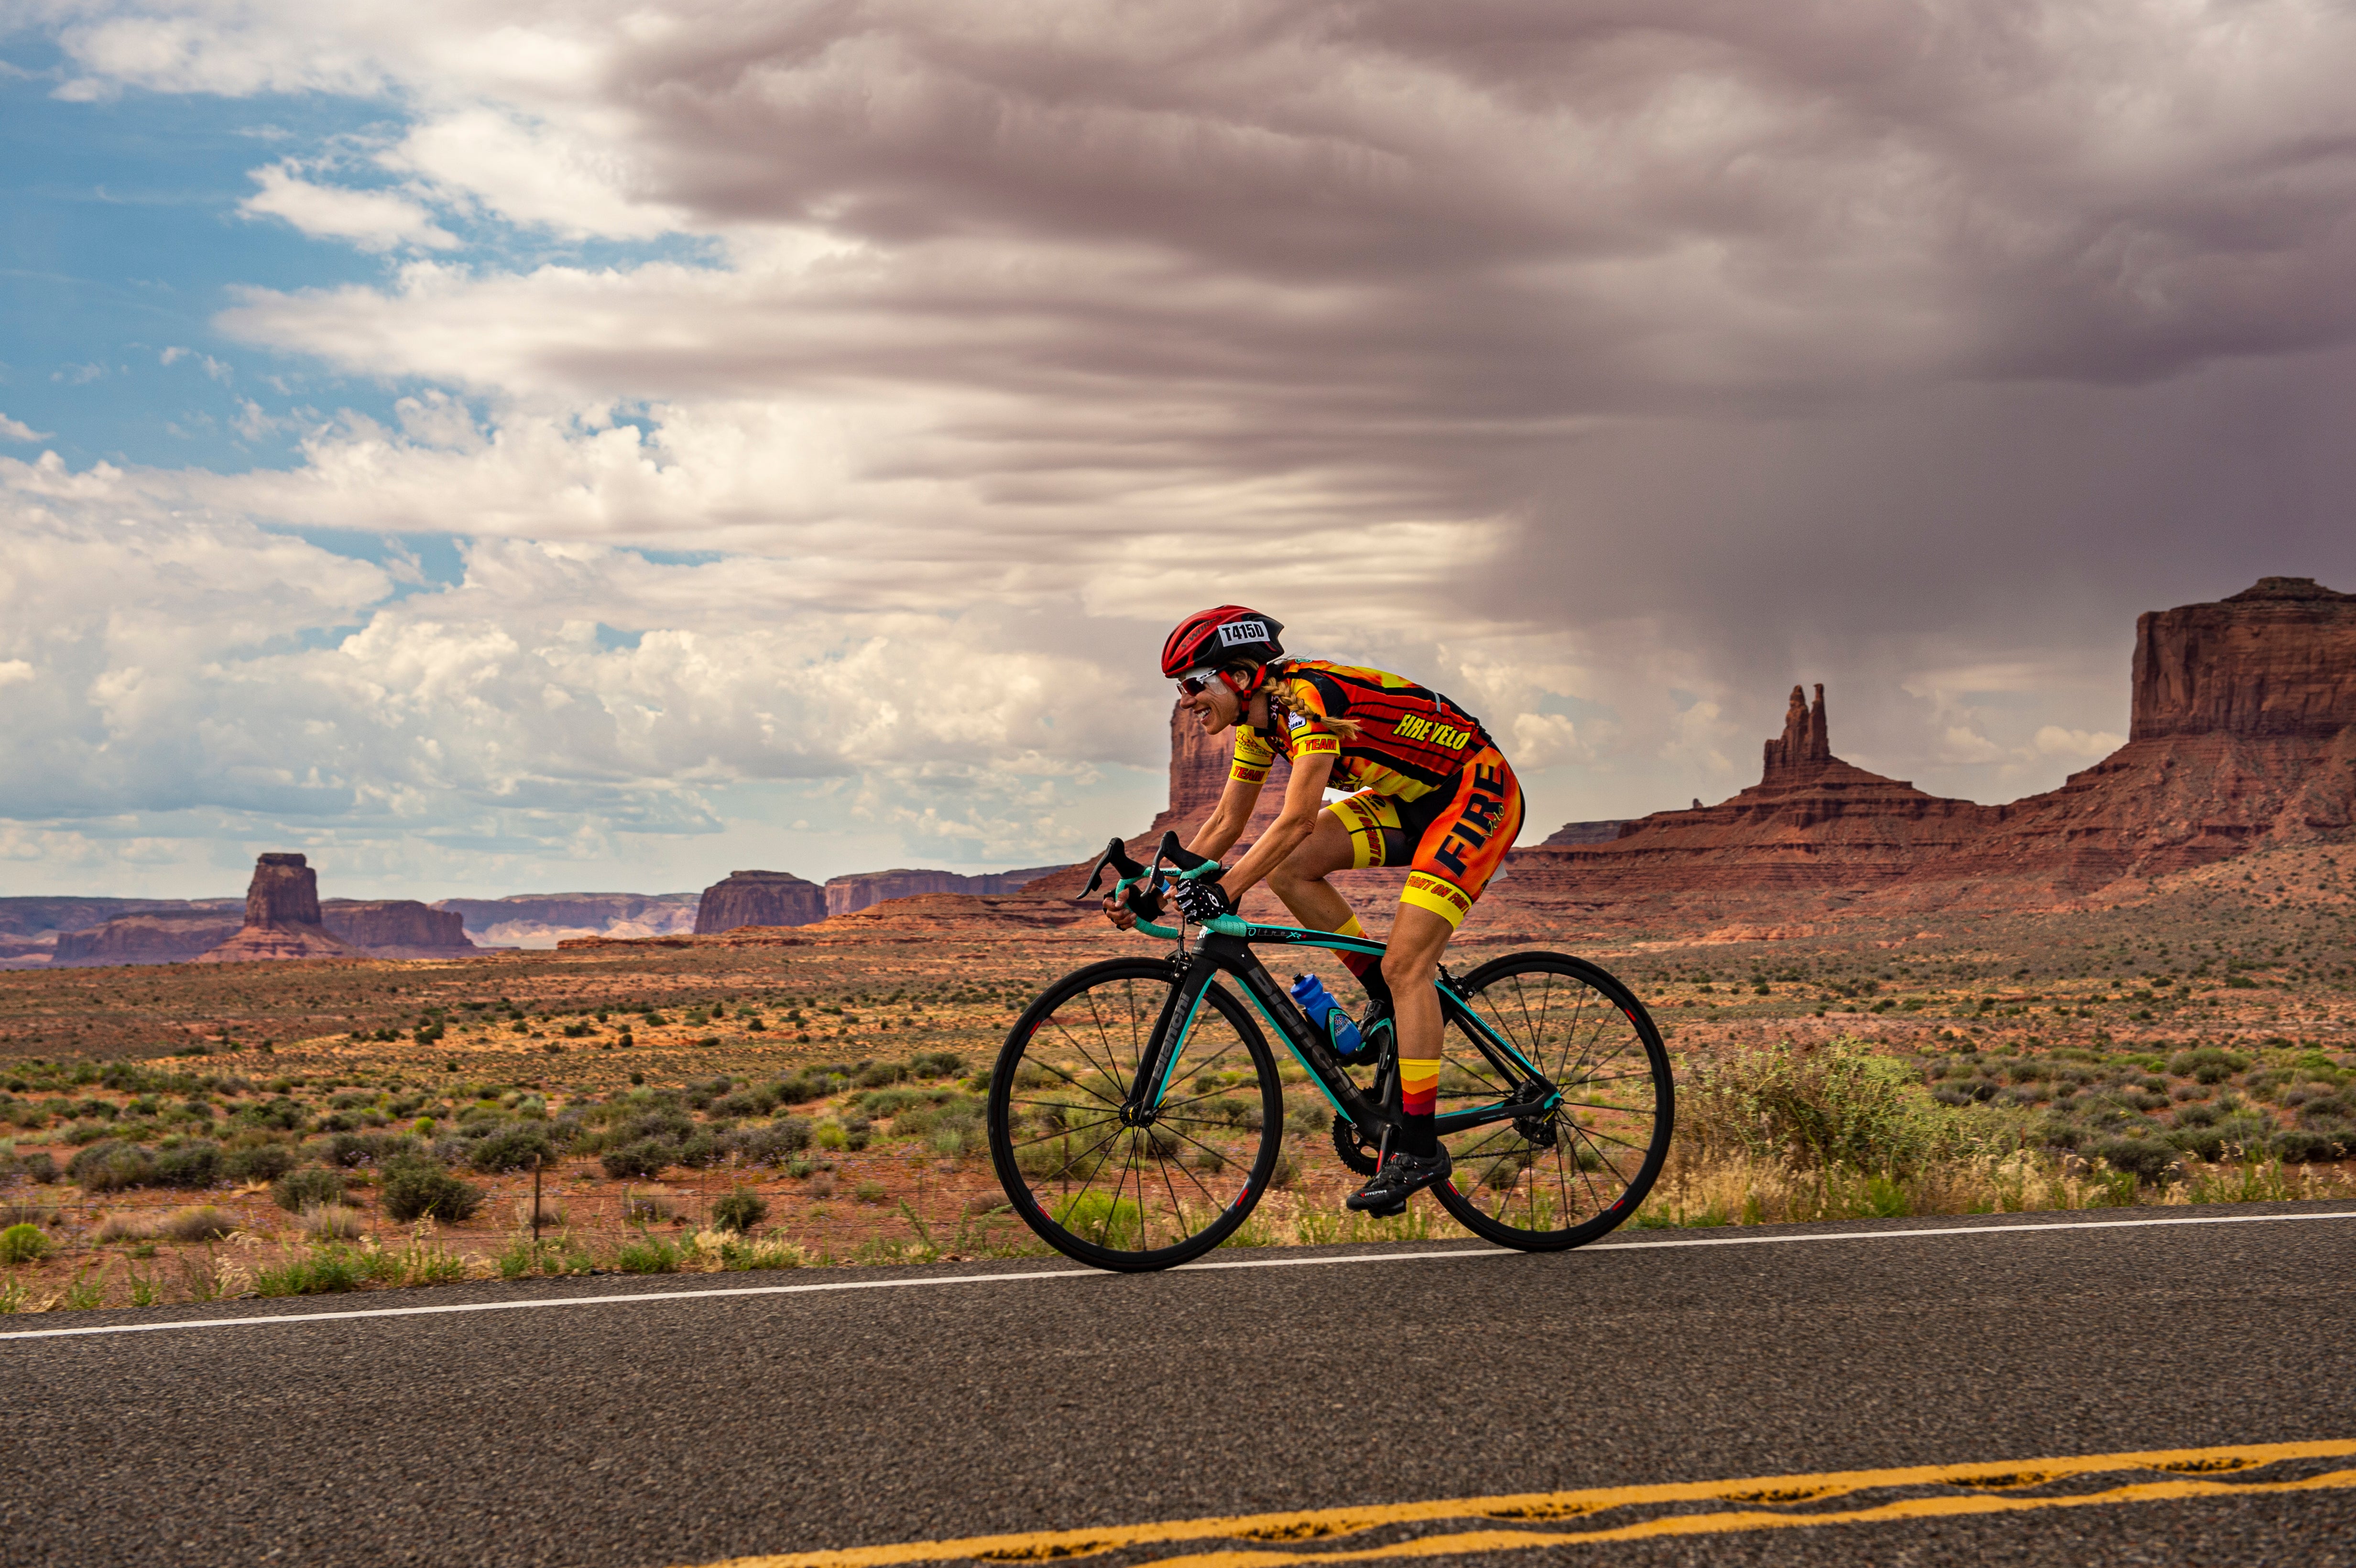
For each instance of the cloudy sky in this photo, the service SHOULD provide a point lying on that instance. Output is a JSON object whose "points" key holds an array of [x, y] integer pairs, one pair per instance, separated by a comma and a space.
{"points": [[505, 446]]}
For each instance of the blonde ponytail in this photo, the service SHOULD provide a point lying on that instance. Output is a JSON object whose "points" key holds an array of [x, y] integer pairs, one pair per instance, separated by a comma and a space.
{"points": [[1280, 702]]}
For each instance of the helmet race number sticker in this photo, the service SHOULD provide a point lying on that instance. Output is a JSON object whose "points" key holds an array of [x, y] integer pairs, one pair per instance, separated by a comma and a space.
{"points": [[1235, 632]]}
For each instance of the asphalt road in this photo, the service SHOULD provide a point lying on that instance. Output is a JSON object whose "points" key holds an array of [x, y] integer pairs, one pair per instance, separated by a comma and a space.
{"points": [[690, 1430]]}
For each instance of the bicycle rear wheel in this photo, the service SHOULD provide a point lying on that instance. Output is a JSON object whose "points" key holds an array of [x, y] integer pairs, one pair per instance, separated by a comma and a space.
{"points": [[1568, 1175], [1119, 1191]]}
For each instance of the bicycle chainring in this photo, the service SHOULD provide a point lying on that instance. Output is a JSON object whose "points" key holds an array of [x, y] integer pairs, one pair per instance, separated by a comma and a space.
{"points": [[1359, 1154]]}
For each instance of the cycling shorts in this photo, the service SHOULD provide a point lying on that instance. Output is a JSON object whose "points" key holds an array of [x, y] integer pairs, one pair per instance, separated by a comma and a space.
{"points": [[1452, 840]]}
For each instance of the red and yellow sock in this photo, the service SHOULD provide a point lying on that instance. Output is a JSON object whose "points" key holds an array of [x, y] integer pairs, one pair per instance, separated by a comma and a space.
{"points": [[1365, 967], [1419, 1097]]}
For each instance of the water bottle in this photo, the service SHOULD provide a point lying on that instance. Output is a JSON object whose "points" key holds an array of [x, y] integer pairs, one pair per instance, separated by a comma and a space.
{"points": [[1326, 1014]]}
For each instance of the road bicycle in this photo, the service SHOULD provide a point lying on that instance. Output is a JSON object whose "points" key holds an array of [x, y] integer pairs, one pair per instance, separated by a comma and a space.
{"points": [[1137, 1115]]}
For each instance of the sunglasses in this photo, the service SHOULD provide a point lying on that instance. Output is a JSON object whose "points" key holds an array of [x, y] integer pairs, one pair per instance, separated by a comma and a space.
{"points": [[1193, 682]]}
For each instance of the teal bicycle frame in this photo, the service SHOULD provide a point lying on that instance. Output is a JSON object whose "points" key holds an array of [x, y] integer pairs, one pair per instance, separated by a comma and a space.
{"points": [[1226, 948]]}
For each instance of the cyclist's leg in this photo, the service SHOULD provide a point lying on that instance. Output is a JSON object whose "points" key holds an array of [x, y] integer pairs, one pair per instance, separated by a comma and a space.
{"points": [[1356, 831], [1299, 880], [1453, 861]]}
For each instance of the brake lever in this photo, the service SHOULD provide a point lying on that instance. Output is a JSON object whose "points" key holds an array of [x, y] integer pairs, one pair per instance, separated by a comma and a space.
{"points": [[1116, 856]]}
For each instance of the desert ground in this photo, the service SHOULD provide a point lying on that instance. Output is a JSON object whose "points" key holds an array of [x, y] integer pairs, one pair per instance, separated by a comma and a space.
{"points": [[181, 1132]]}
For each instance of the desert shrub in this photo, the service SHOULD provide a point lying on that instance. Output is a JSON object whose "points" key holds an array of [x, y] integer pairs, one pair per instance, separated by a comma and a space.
{"points": [[111, 1165], [705, 1148], [2201, 1142], [772, 1144], [757, 1102], [309, 1187], [518, 1147], [915, 1121], [811, 1083], [38, 1166], [2301, 1144], [876, 1074], [637, 1161], [371, 1148], [202, 1224], [739, 1211], [415, 1189], [2148, 1160], [2207, 1064], [1834, 1104], [937, 1064], [701, 1091], [281, 1115], [869, 1192], [670, 1126], [328, 1270], [262, 1162], [648, 1255], [23, 1244], [649, 1209]]}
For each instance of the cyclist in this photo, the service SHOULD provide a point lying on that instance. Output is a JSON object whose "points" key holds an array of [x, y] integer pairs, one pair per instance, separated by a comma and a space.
{"points": [[1432, 793]]}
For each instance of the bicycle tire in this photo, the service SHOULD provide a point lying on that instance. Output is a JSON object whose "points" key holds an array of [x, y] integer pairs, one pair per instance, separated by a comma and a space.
{"points": [[1590, 1162], [1071, 1055]]}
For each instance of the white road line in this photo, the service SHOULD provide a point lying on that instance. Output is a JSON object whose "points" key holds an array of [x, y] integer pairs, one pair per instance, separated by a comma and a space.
{"points": [[1962, 1230], [909, 1284]]}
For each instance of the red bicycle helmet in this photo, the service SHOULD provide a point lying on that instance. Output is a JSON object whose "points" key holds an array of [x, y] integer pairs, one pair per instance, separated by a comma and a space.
{"points": [[1227, 634]]}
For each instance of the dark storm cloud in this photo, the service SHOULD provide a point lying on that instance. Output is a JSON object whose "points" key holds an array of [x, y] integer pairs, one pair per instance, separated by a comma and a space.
{"points": [[1916, 347]]}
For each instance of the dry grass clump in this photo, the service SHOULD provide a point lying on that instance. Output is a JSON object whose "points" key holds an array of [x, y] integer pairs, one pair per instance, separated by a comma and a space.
{"points": [[124, 1227], [202, 1222], [331, 1223]]}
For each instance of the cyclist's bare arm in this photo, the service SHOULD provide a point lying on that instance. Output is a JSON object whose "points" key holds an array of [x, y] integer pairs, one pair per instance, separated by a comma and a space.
{"points": [[1304, 797], [1228, 819]]}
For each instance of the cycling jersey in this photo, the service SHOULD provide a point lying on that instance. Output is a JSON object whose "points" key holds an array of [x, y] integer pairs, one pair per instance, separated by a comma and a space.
{"points": [[1412, 739], [1433, 794]]}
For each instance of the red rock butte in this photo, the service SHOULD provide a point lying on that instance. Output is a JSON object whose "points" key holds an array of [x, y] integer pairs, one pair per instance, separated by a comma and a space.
{"points": [[758, 898], [2244, 733], [282, 917]]}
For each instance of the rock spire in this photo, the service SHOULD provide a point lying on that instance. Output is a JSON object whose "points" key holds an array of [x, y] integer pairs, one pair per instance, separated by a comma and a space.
{"points": [[1805, 741]]}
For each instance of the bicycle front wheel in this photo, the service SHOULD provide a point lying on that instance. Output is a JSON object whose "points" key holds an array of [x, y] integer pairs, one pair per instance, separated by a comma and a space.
{"points": [[1565, 1175], [1115, 1188]]}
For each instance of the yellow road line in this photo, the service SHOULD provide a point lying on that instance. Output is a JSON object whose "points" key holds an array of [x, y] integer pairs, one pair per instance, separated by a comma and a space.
{"points": [[1988, 1484]]}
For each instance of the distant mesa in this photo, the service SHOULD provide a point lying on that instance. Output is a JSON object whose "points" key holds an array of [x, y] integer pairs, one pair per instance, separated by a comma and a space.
{"points": [[396, 928], [161, 936], [758, 898], [1598, 832], [863, 890], [285, 920], [543, 920]]}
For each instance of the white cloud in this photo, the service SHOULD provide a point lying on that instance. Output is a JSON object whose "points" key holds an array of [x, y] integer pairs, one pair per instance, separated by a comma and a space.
{"points": [[14, 670], [1543, 740], [1961, 746], [2073, 745], [1639, 369], [17, 429], [370, 219], [531, 174]]}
